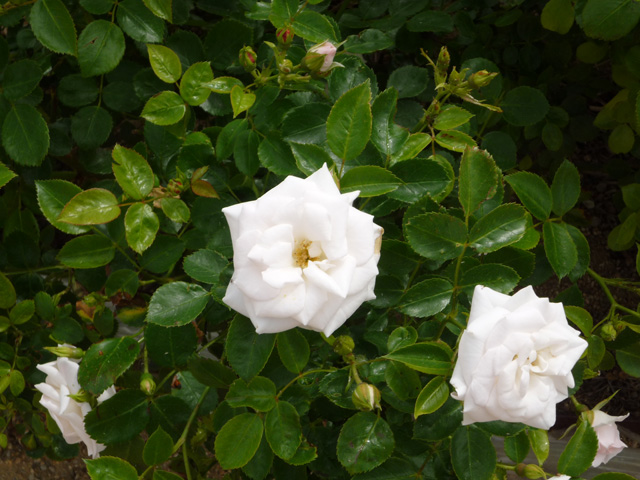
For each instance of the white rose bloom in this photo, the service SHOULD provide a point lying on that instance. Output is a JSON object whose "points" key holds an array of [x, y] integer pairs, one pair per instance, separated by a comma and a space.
{"points": [[515, 358], [609, 443], [303, 256], [62, 381]]}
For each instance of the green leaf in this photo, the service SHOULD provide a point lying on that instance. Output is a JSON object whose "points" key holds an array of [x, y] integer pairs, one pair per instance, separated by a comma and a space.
{"points": [[21, 78], [502, 148], [205, 266], [365, 442], [100, 48], [314, 27], [224, 85], [307, 123], [241, 101], [6, 175], [613, 476], [426, 298], [132, 172], [118, 419], [371, 181], [175, 209], [500, 227], [386, 135], [139, 23], [580, 318], [7, 292], [426, 357], [401, 337], [141, 225], [472, 454], [165, 252], [76, 91], [165, 63], [259, 394], [104, 362], [245, 152], [552, 137], [282, 11], [22, 312], [432, 397], [191, 391], [210, 372], [166, 108], [194, 87], [53, 195], [533, 192], [595, 352], [25, 135], [421, 176], [110, 468], [415, 144], [283, 430], [409, 80], [565, 188], [91, 126], [628, 359], [623, 235], [517, 447], [539, 440], [53, 26], [123, 280], [611, 19], [451, 117], [431, 21], [584, 253], [158, 448], [162, 474], [247, 351], [87, 251], [161, 9], [349, 123], [368, 41], [259, 466], [440, 424], [310, 158], [498, 277], [402, 380], [276, 155], [524, 106], [244, 429], [478, 180], [293, 350], [558, 16], [16, 382], [177, 303], [436, 236], [579, 452], [559, 247], [455, 140], [170, 347], [91, 207]]}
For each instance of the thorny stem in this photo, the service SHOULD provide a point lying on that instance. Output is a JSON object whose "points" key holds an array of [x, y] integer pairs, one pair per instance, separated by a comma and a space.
{"points": [[604, 282]]}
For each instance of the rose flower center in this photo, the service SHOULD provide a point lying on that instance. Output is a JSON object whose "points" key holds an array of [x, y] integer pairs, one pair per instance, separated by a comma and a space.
{"points": [[306, 251]]}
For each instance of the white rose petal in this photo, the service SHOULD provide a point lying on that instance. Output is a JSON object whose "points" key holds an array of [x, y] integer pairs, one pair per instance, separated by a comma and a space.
{"points": [[515, 358], [560, 477], [62, 381], [303, 256], [609, 443]]}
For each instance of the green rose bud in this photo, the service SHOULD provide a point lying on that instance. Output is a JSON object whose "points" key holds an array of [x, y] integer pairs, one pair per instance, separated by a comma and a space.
{"points": [[608, 332], [343, 345], [147, 384], [248, 59], [66, 351], [481, 79], [366, 397], [285, 36], [530, 471]]}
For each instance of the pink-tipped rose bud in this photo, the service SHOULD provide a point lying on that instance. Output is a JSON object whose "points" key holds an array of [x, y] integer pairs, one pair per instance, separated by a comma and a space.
{"points": [[320, 57], [285, 36], [248, 58], [609, 443]]}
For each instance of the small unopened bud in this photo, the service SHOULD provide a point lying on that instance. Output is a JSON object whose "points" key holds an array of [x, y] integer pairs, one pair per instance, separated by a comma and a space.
{"points": [[343, 345], [319, 58], [175, 186], [66, 351], [248, 58], [147, 384], [81, 396], [285, 66], [481, 79], [285, 36], [366, 397], [533, 471], [608, 332], [442, 65]]}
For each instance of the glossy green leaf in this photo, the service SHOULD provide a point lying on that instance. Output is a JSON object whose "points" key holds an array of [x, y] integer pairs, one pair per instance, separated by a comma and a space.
{"points": [[365, 441], [349, 123], [6, 174], [132, 172], [100, 48], [276, 155], [259, 394], [104, 362], [21, 78], [368, 41], [53, 26], [415, 144], [166, 108], [90, 207], [500, 278], [431, 21], [139, 23], [22, 312], [502, 148], [436, 236], [421, 176], [282, 11], [524, 106], [306, 124], [293, 350], [241, 101], [110, 468], [247, 350], [175, 209], [313, 26], [559, 247], [170, 347], [432, 397], [77, 91], [533, 192], [194, 87], [613, 476], [386, 135], [211, 372], [163, 254], [628, 359], [161, 9], [517, 447], [472, 455], [370, 181], [141, 225], [53, 195], [426, 298], [25, 135], [205, 266], [309, 157], [87, 251], [611, 19], [7, 292], [246, 430], [259, 466], [502, 226], [175, 304], [118, 419], [123, 280], [402, 380], [478, 179], [91, 126], [454, 140], [558, 16], [584, 253], [224, 85], [165, 63], [565, 188], [451, 117], [283, 430], [440, 424], [579, 453], [552, 137], [425, 357], [158, 448], [245, 152], [409, 80], [401, 337]]}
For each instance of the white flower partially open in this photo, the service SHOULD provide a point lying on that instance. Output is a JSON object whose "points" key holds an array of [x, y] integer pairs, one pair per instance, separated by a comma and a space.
{"points": [[515, 358], [62, 381], [609, 443], [303, 256], [327, 49]]}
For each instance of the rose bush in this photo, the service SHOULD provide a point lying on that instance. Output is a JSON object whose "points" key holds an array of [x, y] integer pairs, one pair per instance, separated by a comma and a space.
{"points": [[515, 358], [609, 443], [303, 256], [57, 391]]}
